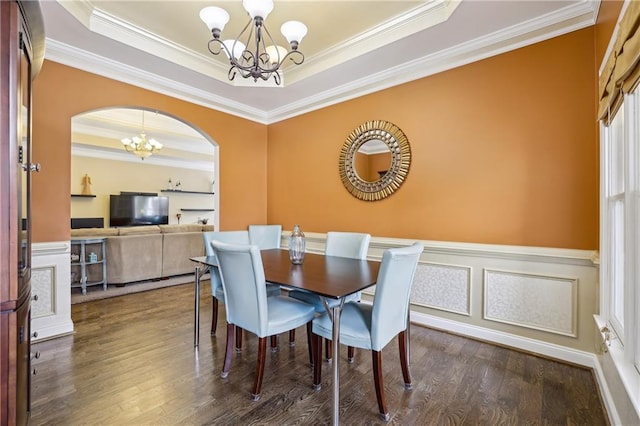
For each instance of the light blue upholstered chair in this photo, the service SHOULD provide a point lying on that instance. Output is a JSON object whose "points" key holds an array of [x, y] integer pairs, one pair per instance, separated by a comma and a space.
{"points": [[248, 307], [342, 244], [373, 326], [265, 236], [217, 293]]}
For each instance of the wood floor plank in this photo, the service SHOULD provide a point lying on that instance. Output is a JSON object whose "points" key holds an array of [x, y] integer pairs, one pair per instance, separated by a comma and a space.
{"points": [[131, 361]]}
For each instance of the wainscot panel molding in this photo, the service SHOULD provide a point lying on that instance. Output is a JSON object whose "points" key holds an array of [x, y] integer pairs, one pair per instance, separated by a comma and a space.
{"points": [[51, 289], [539, 302]]}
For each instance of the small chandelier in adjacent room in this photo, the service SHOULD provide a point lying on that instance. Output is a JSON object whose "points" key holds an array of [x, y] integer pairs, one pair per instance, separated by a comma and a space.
{"points": [[140, 145], [265, 57]]}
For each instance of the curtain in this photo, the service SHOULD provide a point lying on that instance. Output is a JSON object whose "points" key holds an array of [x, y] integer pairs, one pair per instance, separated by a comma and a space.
{"points": [[622, 70]]}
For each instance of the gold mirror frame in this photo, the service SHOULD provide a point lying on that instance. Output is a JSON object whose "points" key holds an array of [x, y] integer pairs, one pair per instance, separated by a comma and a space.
{"points": [[398, 144]]}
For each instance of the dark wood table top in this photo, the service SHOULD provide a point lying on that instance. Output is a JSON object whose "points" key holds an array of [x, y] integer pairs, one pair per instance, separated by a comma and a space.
{"points": [[329, 276]]}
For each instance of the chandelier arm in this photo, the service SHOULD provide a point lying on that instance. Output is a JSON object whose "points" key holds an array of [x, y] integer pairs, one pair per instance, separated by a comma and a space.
{"points": [[221, 46], [276, 78], [248, 58], [232, 73], [291, 55], [265, 55]]}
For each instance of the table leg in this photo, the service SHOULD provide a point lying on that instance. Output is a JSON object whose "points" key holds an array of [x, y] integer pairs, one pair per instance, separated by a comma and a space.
{"points": [[196, 308], [336, 361]]}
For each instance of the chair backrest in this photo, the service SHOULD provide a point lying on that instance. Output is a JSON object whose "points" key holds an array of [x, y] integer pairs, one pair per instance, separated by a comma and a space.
{"points": [[347, 244], [393, 289], [265, 236], [245, 292], [229, 237]]}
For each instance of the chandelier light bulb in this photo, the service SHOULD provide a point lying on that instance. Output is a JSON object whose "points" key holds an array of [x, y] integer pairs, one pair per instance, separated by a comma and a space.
{"points": [[214, 17], [260, 8], [235, 46], [294, 32], [276, 53]]}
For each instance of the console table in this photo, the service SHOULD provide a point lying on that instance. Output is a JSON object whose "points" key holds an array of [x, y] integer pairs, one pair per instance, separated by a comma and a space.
{"points": [[88, 263]]}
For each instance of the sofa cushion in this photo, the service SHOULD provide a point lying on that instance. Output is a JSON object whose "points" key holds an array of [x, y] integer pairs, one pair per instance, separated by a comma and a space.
{"points": [[139, 230], [187, 227], [94, 232], [177, 248], [134, 258]]}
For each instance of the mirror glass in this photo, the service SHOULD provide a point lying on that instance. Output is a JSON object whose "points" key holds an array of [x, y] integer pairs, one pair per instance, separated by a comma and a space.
{"points": [[374, 160]]}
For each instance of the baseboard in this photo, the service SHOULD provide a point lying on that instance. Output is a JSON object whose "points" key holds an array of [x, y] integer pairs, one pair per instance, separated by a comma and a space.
{"points": [[550, 350]]}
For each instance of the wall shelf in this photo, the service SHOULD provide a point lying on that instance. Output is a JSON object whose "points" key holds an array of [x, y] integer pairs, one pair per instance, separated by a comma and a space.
{"points": [[196, 210], [174, 191], [83, 195]]}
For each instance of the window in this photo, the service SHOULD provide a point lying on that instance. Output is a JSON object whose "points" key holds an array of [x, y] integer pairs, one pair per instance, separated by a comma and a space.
{"points": [[620, 226]]}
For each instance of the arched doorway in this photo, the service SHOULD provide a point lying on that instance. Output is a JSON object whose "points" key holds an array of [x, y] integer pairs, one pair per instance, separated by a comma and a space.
{"points": [[188, 161]]}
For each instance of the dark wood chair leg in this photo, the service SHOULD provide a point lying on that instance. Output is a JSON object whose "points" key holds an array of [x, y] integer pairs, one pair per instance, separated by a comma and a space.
{"points": [[328, 349], [292, 337], [408, 337], [350, 354], [274, 343], [262, 349], [227, 355], [377, 378], [317, 360], [214, 315], [238, 339], [310, 342], [404, 359]]}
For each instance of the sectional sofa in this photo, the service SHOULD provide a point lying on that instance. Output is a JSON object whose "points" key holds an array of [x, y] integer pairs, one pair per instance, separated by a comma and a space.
{"points": [[140, 253]]}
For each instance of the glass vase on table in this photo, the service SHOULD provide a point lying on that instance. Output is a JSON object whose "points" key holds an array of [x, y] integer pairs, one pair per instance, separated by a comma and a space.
{"points": [[297, 245]]}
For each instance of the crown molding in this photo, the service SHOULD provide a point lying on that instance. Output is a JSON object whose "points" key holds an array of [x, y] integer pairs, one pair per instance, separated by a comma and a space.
{"points": [[568, 19], [104, 153], [95, 64]]}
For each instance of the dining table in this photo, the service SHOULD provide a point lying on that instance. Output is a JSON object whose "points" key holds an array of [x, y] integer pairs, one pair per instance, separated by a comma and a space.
{"points": [[330, 277]]}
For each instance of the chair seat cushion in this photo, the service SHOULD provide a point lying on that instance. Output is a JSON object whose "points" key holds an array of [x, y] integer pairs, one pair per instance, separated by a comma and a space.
{"points": [[316, 301], [286, 314], [355, 325]]}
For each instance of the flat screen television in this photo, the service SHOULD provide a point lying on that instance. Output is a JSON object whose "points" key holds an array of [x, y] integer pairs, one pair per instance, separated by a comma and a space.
{"points": [[138, 210]]}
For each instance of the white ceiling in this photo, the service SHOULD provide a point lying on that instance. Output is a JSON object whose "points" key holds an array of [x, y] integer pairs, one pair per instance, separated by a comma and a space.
{"points": [[352, 47]]}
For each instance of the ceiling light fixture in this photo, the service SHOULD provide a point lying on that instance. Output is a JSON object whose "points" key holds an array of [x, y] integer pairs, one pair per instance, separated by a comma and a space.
{"points": [[267, 57], [140, 146]]}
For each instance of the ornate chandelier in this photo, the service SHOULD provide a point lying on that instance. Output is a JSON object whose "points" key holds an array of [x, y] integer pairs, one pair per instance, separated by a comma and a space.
{"points": [[140, 146], [266, 57]]}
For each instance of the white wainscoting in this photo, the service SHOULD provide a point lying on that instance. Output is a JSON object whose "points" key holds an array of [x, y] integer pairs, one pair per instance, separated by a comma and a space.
{"points": [[50, 285], [539, 302], [532, 298]]}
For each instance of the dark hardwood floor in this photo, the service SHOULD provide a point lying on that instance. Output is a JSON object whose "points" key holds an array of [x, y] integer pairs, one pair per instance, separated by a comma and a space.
{"points": [[131, 361]]}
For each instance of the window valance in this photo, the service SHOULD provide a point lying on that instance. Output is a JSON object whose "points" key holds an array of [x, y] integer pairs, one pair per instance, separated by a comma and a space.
{"points": [[622, 70]]}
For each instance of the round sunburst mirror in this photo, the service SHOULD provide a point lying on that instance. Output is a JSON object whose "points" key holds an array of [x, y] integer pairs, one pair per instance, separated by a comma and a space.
{"points": [[374, 160]]}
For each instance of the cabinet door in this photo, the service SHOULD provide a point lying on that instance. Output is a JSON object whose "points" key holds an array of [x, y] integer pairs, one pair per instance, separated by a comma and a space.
{"points": [[23, 364]]}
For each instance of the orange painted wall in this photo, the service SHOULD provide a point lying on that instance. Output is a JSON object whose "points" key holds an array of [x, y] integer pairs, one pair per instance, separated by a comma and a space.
{"points": [[60, 92], [504, 152]]}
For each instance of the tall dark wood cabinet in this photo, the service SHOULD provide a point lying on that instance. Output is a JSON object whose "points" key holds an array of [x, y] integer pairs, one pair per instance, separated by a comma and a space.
{"points": [[21, 55]]}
